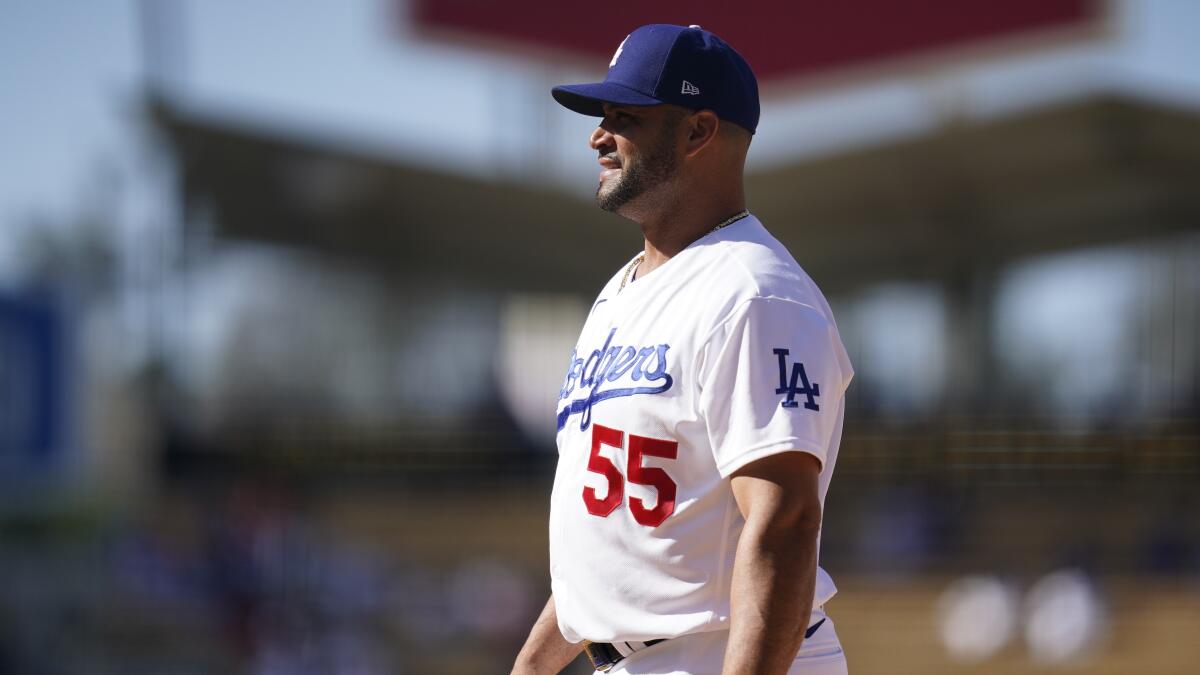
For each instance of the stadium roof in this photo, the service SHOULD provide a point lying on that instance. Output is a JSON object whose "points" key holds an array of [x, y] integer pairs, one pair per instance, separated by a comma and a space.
{"points": [[962, 197]]}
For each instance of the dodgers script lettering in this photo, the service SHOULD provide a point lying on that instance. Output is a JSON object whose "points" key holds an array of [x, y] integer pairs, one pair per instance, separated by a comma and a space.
{"points": [[610, 372]]}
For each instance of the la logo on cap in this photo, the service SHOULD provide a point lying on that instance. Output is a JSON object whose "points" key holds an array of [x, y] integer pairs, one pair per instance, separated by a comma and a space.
{"points": [[617, 55]]}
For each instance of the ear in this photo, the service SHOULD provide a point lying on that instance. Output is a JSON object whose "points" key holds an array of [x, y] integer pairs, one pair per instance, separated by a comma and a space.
{"points": [[702, 127]]}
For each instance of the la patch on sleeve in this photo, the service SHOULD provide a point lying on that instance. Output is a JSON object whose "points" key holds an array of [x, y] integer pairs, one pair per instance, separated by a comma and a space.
{"points": [[796, 384]]}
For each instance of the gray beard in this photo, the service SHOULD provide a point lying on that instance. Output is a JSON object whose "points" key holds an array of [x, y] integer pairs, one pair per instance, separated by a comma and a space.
{"points": [[656, 168], [630, 185]]}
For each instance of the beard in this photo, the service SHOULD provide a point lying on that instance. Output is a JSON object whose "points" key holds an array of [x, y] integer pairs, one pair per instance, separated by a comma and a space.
{"points": [[654, 168]]}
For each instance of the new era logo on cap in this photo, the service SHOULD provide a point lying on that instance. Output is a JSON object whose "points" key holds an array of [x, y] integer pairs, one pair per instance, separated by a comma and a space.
{"points": [[660, 63]]}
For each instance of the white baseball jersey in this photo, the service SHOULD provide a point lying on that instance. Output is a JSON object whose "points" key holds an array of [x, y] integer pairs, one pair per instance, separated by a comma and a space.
{"points": [[725, 354]]}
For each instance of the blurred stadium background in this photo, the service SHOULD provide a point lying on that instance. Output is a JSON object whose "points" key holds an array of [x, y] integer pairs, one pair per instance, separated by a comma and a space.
{"points": [[286, 291]]}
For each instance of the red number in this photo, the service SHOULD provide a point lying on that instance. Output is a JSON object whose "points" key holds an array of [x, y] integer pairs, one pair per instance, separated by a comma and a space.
{"points": [[600, 464], [639, 447], [653, 476]]}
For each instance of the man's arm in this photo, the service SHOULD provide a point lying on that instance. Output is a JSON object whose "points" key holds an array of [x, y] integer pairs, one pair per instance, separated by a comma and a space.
{"points": [[774, 572], [545, 650]]}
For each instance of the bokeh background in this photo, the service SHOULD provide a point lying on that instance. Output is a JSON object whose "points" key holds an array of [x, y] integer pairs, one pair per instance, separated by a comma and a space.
{"points": [[287, 290]]}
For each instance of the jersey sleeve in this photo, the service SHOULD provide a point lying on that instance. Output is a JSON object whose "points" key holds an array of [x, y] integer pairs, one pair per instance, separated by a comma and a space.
{"points": [[772, 380]]}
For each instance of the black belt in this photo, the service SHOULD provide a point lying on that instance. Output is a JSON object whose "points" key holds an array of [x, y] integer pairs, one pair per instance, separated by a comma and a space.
{"points": [[605, 655]]}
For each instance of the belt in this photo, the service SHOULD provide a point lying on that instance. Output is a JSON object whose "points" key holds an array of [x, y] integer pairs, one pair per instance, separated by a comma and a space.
{"points": [[605, 655]]}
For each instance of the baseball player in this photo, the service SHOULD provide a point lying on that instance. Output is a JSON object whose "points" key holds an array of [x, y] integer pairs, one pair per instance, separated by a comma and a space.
{"points": [[700, 415]]}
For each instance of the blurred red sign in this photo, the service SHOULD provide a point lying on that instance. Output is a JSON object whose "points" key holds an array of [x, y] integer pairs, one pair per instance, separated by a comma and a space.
{"points": [[777, 38]]}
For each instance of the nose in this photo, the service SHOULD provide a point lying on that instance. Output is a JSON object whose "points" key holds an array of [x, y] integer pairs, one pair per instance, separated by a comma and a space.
{"points": [[600, 138]]}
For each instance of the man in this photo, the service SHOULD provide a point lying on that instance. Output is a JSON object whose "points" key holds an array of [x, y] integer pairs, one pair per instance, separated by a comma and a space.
{"points": [[699, 421]]}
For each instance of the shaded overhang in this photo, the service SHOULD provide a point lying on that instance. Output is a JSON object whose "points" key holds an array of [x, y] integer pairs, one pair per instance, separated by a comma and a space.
{"points": [[966, 196], [970, 196], [398, 218]]}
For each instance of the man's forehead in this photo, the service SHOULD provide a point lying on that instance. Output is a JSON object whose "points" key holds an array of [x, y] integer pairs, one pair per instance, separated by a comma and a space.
{"points": [[625, 107], [654, 110]]}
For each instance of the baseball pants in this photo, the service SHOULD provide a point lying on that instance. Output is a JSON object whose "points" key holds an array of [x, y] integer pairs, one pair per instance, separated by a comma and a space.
{"points": [[704, 653]]}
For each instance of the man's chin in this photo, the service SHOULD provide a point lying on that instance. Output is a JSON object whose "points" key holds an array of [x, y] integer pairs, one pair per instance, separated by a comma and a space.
{"points": [[609, 200]]}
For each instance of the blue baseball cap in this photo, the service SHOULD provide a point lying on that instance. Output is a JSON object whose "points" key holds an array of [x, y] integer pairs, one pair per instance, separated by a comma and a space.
{"points": [[682, 65]]}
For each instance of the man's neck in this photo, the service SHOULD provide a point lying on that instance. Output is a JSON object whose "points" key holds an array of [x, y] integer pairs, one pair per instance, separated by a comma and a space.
{"points": [[668, 233]]}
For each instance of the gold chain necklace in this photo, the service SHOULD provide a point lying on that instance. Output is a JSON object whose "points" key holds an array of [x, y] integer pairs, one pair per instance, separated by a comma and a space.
{"points": [[633, 264]]}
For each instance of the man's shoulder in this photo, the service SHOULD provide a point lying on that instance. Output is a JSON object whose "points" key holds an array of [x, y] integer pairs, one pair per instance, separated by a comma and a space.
{"points": [[752, 263]]}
